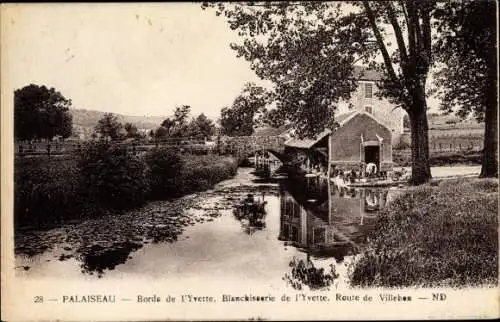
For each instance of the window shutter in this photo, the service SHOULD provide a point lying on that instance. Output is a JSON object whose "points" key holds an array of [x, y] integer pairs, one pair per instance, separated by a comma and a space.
{"points": [[368, 90]]}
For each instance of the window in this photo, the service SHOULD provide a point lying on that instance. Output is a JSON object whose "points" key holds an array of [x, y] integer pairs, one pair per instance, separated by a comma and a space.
{"points": [[368, 90], [369, 109]]}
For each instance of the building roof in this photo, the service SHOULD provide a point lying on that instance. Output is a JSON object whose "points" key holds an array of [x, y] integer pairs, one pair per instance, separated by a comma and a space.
{"points": [[351, 115], [341, 117], [306, 143], [364, 73]]}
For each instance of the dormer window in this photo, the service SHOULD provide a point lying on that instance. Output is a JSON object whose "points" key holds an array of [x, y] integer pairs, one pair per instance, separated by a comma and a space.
{"points": [[368, 90]]}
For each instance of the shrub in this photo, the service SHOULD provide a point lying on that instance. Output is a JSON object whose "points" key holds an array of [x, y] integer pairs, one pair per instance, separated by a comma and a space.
{"points": [[104, 177], [402, 145], [164, 172], [434, 236], [45, 190], [112, 176], [202, 172]]}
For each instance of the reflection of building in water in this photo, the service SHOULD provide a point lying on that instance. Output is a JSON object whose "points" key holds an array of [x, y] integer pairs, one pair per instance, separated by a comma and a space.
{"points": [[329, 226]]}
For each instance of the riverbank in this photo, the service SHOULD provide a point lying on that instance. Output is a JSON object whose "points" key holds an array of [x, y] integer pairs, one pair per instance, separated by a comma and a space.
{"points": [[53, 192], [434, 235], [99, 245]]}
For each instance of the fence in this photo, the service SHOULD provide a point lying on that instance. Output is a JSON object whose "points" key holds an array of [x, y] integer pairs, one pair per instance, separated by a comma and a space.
{"points": [[188, 144], [447, 142]]}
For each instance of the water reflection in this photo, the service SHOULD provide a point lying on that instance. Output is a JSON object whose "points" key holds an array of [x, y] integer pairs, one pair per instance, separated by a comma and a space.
{"points": [[251, 213], [324, 221], [97, 258], [327, 220], [308, 226]]}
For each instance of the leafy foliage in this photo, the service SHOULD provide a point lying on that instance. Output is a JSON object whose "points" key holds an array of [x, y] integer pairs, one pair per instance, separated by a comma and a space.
{"points": [[108, 127], [240, 118], [309, 49], [46, 191], [105, 179], [468, 80], [434, 236], [113, 176], [132, 131], [202, 172], [178, 126], [467, 46], [164, 169], [201, 126], [272, 117], [41, 112]]}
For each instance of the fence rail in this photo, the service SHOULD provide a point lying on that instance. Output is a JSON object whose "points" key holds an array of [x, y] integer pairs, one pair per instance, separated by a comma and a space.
{"points": [[237, 146], [61, 148]]}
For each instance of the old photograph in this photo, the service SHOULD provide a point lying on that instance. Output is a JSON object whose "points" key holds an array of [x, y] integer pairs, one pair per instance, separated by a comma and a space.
{"points": [[253, 160]]}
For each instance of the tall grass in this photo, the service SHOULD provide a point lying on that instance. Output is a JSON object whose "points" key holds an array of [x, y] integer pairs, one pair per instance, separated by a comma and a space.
{"points": [[48, 192], [434, 236], [202, 172], [104, 179]]}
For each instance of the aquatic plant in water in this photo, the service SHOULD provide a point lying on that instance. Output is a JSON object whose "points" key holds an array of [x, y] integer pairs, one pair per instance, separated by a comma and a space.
{"points": [[304, 273]]}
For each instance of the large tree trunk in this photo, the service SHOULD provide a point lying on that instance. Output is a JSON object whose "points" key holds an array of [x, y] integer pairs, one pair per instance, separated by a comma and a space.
{"points": [[490, 148], [420, 170]]}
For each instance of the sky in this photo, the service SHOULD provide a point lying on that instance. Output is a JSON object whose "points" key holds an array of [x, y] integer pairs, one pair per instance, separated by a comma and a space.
{"points": [[127, 58], [133, 59]]}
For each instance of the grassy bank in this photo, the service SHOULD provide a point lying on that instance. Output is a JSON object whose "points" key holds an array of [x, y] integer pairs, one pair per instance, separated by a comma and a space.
{"points": [[445, 158], [201, 172], [49, 192], [444, 235]]}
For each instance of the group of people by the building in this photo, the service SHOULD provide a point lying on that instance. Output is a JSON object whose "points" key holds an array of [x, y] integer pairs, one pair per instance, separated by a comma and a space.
{"points": [[368, 171]]}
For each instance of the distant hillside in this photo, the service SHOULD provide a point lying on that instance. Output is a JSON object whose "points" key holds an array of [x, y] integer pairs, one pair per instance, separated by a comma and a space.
{"points": [[89, 118]]}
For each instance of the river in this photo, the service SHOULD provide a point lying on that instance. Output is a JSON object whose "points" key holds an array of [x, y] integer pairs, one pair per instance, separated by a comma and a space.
{"points": [[307, 238]]}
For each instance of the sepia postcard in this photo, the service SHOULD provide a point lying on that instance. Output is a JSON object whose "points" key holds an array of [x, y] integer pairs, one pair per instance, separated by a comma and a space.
{"points": [[272, 160]]}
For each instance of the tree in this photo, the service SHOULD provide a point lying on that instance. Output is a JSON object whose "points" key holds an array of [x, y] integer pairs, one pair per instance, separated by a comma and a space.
{"points": [[112, 175], [161, 133], [240, 118], [468, 80], [108, 127], [272, 117], [178, 125], [201, 126], [168, 125], [181, 114], [132, 131], [309, 50], [41, 113]]}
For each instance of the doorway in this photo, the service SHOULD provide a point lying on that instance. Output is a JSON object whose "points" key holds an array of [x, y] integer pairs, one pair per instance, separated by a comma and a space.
{"points": [[372, 155]]}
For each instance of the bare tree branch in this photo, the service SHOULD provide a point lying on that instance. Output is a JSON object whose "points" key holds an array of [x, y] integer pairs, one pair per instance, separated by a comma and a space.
{"points": [[399, 36], [405, 12], [380, 41]]}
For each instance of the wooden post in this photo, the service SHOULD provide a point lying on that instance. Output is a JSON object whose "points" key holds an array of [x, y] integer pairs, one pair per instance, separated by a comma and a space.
{"points": [[330, 202]]}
